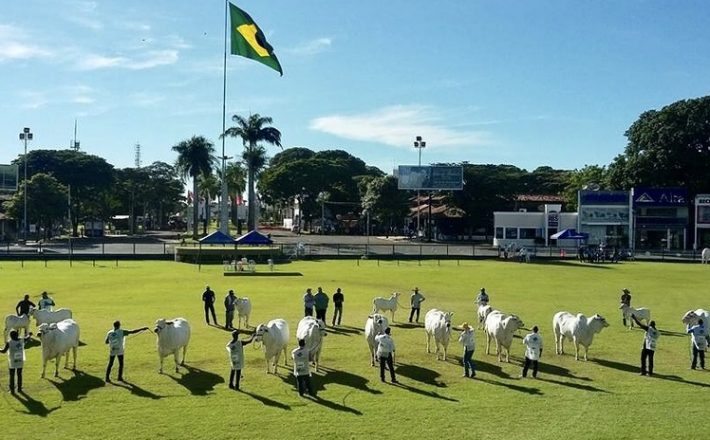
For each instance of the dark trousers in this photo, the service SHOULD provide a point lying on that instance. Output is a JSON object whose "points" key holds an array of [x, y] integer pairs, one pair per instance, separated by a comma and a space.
{"points": [[234, 374], [305, 385], [698, 353], [387, 360], [647, 354], [411, 314], [320, 314], [110, 365], [526, 366], [308, 311], [468, 363], [338, 312], [14, 371], [229, 318], [210, 308]]}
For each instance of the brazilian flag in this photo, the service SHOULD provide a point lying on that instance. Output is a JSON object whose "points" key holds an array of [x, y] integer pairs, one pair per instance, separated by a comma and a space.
{"points": [[249, 41]]}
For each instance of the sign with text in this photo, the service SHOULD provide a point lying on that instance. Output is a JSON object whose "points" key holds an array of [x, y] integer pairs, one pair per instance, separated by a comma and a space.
{"points": [[660, 197], [8, 178], [444, 178]]}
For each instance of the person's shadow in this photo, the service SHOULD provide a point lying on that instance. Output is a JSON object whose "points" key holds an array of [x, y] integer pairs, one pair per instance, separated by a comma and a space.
{"points": [[318, 384], [34, 407], [78, 386], [348, 379], [137, 391], [266, 401], [420, 374], [198, 382]]}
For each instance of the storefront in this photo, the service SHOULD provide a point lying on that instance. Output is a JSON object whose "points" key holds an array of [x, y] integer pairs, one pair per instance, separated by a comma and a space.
{"points": [[660, 218], [701, 238], [533, 228], [604, 215]]}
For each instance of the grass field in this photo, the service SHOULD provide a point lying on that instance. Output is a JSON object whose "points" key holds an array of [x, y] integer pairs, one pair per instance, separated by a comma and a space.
{"points": [[603, 398]]}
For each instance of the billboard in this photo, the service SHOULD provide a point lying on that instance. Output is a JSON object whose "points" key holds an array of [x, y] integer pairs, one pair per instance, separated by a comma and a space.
{"points": [[669, 197], [8, 178], [430, 177]]}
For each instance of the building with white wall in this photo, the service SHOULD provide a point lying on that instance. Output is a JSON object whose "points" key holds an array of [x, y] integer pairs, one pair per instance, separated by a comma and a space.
{"points": [[533, 228]]}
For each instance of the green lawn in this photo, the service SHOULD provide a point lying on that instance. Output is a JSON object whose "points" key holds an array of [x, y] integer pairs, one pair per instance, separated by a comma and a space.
{"points": [[603, 398]]}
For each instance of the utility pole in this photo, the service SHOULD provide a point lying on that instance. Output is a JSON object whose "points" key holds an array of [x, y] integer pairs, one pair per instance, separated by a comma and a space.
{"points": [[25, 136], [419, 144]]}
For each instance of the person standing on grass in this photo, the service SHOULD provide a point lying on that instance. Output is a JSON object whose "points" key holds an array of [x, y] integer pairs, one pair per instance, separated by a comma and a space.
{"points": [[116, 340], [338, 300], [468, 340], [235, 348], [648, 349], [415, 301], [533, 352], [46, 302], [699, 338], [308, 302], [302, 369], [385, 352], [321, 303], [626, 300], [23, 307], [482, 297], [208, 297], [15, 349], [230, 303]]}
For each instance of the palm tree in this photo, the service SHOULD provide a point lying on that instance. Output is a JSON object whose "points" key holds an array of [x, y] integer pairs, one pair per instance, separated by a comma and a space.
{"points": [[195, 158], [253, 130], [209, 188], [236, 184]]}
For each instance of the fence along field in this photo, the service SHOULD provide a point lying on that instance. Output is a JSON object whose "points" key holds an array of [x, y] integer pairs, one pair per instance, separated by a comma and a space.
{"points": [[602, 398]]}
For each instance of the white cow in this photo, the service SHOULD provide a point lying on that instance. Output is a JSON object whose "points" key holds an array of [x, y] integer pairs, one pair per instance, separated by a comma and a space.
{"points": [[243, 306], [384, 304], [375, 325], [14, 322], [437, 324], [274, 335], [483, 311], [579, 329], [58, 339], [641, 314], [313, 331], [501, 327], [172, 336], [691, 317], [47, 316], [705, 256]]}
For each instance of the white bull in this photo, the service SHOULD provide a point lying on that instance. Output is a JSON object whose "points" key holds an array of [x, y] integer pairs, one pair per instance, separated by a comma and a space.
{"points": [[385, 304], [579, 329], [47, 316], [642, 314], [173, 335], [14, 322], [313, 331], [483, 311], [691, 317], [375, 325], [437, 324], [243, 306], [274, 336], [58, 339], [501, 328], [705, 256]]}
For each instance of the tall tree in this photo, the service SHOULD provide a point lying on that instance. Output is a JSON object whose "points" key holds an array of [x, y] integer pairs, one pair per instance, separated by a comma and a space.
{"points": [[209, 186], [589, 177], [236, 177], [385, 201], [165, 192], [46, 202], [195, 159], [254, 130]]}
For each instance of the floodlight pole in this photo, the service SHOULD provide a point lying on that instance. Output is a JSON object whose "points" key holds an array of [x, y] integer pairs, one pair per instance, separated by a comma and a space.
{"points": [[25, 136], [419, 144]]}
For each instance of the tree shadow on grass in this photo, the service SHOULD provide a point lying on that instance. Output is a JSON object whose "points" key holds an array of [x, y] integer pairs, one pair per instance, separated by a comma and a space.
{"points": [[78, 386], [138, 391], [420, 374], [198, 382], [348, 379], [576, 386], [34, 407], [518, 388], [266, 401]]}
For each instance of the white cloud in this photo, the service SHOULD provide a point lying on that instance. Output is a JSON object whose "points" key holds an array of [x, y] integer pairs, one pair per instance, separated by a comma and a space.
{"points": [[398, 125], [146, 60], [33, 100], [84, 14], [145, 99], [14, 45], [83, 100], [312, 47]]}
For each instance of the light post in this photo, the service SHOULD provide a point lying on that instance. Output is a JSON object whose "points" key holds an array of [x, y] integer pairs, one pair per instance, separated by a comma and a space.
{"points": [[25, 136], [323, 196], [419, 144]]}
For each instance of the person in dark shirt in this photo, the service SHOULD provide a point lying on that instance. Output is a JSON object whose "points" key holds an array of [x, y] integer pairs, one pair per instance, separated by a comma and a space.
{"points": [[625, 299], [648, 349], [23, 307], [338, 300], [208, 298]]}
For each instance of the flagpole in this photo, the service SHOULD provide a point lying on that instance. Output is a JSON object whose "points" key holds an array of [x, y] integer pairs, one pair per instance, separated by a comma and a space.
{"points": [[223, 214]]}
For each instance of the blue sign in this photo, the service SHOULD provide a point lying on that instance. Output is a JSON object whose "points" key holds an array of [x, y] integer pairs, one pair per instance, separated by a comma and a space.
{"points": [[603, 198], [673, 197]]}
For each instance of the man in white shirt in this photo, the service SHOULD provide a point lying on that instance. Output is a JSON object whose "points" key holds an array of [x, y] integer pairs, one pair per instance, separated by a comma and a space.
{"points": [[385, 352], [533, 351], [648, 349], [468, 340], [235, 348], [415, 302], [302, 369], [46, 302], [116, 341], [699, 337], [15, 349]]}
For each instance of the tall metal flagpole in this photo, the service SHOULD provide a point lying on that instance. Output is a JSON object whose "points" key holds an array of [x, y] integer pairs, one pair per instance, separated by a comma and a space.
{"points": [[223, 207]]}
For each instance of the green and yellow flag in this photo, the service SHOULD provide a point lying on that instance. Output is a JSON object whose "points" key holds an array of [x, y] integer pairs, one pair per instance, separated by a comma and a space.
{"points": [[249, 41]]}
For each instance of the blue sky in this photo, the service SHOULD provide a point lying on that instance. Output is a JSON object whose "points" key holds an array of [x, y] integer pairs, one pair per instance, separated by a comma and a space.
{"points": [[523, 82]]}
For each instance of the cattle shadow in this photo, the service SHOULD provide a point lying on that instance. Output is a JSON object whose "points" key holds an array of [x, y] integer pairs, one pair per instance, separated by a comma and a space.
{"points": [[198, 382], [266, 401], [420, 374], [34, 407], [555, 370], [577, 386], [341, 377], [424, 393], [137, 391], [510, 386], [78, 386]]}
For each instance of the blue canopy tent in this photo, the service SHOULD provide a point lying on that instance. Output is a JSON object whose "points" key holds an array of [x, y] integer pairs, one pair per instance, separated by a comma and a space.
{"points": [[253, 238], [217, 237], [569, 234]]}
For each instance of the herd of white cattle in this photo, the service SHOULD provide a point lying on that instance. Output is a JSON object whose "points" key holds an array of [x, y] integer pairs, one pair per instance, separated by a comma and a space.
{"points": [[59, 333]]}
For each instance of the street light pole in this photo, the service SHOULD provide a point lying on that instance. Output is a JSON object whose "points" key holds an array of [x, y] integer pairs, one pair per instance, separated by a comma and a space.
{"points": [[25, 136], [419, 144]]}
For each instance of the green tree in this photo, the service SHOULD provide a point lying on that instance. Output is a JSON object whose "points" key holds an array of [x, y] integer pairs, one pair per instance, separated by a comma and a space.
{"points": [[165, 192], [236, 177], [590, 176], [195, 159], [46, 202], [252, 131], [209, 187], [386, 203]]}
